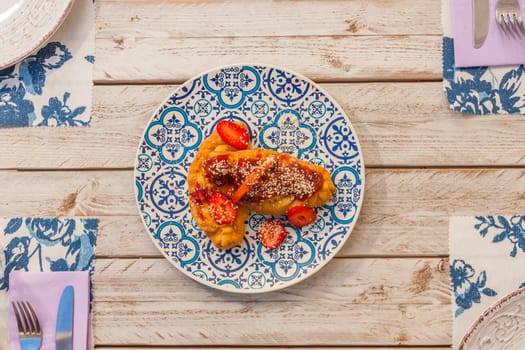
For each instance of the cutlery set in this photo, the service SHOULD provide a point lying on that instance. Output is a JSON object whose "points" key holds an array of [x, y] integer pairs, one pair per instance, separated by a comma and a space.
{"points": [[508, 18], [28, 324]]}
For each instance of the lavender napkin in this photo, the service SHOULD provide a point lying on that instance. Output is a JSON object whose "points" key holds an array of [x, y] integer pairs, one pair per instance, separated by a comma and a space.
{"points": [[43, 290], [42, 245], [496, 51]]}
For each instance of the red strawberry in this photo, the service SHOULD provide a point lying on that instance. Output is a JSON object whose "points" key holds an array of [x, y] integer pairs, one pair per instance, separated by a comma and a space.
{"points": [[233, 134], [272, 233], [222, 209], [199, 195], [300, 216]]}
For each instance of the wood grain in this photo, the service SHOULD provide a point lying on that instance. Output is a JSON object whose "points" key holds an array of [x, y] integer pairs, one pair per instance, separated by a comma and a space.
{"points": [[349, 302], [325, 40], [405, 212], [237, 18], [359, 281], [259, 348], [273, 348], [126, 59], [398, 125]]}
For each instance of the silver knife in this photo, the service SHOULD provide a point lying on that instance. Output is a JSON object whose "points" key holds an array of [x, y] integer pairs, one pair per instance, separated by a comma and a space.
{"points": [[64, 326], [480, 21]]}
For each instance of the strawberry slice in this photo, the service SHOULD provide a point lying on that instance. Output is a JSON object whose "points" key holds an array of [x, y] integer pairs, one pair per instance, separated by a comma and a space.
{"points": [[252, 178], [300, 216], [198, 197], [271, 233], [233, 134], [222, 209]]}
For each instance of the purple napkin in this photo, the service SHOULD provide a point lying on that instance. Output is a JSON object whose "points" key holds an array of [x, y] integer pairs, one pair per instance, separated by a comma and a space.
{"points": [[43, 291], [496, 51]]}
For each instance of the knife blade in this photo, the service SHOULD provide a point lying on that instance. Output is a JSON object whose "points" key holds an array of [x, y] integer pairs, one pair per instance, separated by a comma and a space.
{"points": [[64, 325], [480, 21]]}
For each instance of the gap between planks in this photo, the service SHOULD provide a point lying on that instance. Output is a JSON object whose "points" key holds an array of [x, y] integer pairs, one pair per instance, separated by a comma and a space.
{"points": [[372, 167], [271, 347], [117, 82]]}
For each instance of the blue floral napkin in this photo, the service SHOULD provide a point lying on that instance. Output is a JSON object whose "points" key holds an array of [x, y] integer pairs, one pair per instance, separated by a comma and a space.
{"points": [[480, 90], [53, 86], [42, 244], [487, 256]]}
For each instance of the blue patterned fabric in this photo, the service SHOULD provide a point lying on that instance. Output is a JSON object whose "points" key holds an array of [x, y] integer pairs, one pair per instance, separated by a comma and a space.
{"points": [[482, 90], [284, 112], [52, 87], [487, 255], [46, 244], [468, 286]]}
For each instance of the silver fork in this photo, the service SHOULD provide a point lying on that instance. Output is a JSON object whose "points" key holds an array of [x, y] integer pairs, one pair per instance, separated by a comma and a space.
{"points": [[28, 325], [508, 16]]}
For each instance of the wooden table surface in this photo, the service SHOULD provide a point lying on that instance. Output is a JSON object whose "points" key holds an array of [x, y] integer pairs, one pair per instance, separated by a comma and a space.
{"points": [[381, 60]]}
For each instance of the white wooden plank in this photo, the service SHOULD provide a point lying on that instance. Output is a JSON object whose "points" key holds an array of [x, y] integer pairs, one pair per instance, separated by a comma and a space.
{"points": [[405, 212], [238, 18], [326, 40], [410, 124], [349, 302], [273, 348], [418, 131], [358, 281], [127, 58]]}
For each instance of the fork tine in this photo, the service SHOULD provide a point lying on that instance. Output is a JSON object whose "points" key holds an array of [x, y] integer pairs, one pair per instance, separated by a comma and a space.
{"points": [[29, 319], [521, 28], [508, 24], [23, 316], [34, 317], [501, 23], [21, 326], [515, 25]]}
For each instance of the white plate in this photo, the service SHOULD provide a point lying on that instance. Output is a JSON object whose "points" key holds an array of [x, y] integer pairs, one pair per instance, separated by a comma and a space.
{"points": [[25, 25], [501, 327], [284, 112]]}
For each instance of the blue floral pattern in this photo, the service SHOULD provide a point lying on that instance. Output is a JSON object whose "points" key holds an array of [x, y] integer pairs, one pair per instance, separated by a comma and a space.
{"points": [[24, 83], [46, 244], [468, 288], [504, 229], [284, 112], [482, 90], [173, 135], [232, 84], [288, 134]]}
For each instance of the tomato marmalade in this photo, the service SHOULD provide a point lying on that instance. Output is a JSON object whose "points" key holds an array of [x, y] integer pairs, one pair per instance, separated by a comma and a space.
{"points": [[284, 178]]}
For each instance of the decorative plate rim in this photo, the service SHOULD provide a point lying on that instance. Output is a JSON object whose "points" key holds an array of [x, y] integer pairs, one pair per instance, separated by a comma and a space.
{"points": [[49, 31], [494, 308], [350, 226]]}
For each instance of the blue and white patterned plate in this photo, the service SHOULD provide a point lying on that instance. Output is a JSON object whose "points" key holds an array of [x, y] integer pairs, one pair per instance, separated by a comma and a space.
{"points": [[284, 112]]}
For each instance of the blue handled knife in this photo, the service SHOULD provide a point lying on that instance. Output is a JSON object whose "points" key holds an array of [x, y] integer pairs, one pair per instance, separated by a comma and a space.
{"points": [[64, 326]]}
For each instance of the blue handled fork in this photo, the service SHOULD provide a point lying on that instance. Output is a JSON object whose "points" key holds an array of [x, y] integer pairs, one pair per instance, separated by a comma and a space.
{"points": [[28, 325]]}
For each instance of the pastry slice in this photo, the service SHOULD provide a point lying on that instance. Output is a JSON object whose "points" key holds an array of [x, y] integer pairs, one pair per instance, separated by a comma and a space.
{"points": [[226, 184]]}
